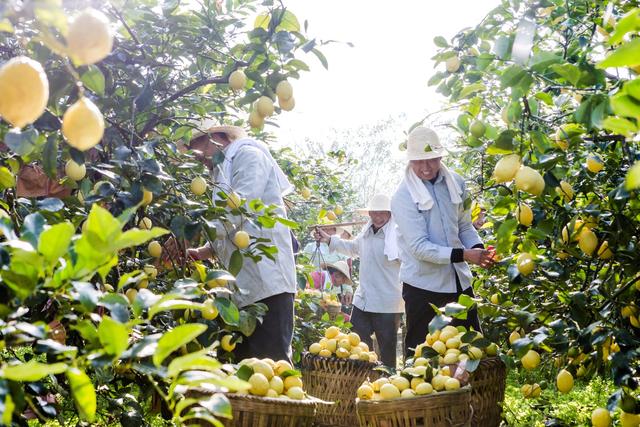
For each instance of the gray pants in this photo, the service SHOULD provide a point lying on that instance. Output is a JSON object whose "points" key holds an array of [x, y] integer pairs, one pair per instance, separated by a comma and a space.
{"points": [[384, 325]]}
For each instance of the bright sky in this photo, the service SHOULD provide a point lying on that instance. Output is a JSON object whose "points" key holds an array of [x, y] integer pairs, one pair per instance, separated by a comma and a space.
{"points": [[384, 74]]}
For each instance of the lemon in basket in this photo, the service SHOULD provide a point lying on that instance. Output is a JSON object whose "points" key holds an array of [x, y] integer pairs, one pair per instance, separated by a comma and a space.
{"points": [[276, 384], [331, 332], [295, 393], [262, 367], [438, 382], [415, 382], [354, 339], [407, 393], [424, 388], [315, 348], [452, 384], [400, 382], [365, 392], [292, 381], [377, 384], [259, 384], [389, 391], [324, 353]]}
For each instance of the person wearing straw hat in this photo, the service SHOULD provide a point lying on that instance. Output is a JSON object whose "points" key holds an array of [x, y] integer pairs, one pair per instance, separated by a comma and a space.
{"points": [[249, 170], [341, 283], [377, 303], [436, 237]]}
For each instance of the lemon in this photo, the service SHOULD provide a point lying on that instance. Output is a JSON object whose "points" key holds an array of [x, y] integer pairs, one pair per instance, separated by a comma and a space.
{"points": [[292, 381], [627, 311], [131, 295], [389, 391], [431, 338], [495, 299], [256, 121], [331, 332], [452, 64], [315, 348], [529, 180], [209, 310], [305, 193], [154, 249], [506, 168], [264, 106], [237, 80], [373, 357], [531, 390], [89, 38], [345, 343], [147, 197], [635, 321], [324, 353], [415, 382], [400, 382], [629, 420], [151, 271], [226, 343], [331, 215], [524, 214], [287, 104], [379, 383], [365, 392], [424, 388], [295, 393], [407, 393], [477, 129], [530, 360], [474, 353], [452, 384], [338, 210], [233, 200], [354, 339], [604, 252], [492, 349], [272, 393], [564, 381], [331, 345], [565, 190], [198, 186], [525, 263], [577, 228], [438, 382], [420, 361], [594, 163], [145, 223], [75, 171], [450, 358], [259, 384], [282, 366], [25, 91], [262, 367], [83, 124], [440, 347], [284, 90], [588, 241], [342, 353], [241, 239], [447, 332], [514, 337]]}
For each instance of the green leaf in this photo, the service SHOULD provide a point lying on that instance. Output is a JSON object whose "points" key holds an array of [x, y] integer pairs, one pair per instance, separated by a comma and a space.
{"points": [[633, 177], [176, 338], [288, 22], [54, 241], [21, 142], [321, 58], [569, 72], [440, 41], [542, 60], [114, 336], [629, 22], [625, 105], [471, 89], [228, 311], [7, 179], [173, 304], [94, 80], [50, 156], [193, 361], [235, 263], [136, 236], [503, 144], [83, 393], [619, 125], [624, 56], [31, 371]]}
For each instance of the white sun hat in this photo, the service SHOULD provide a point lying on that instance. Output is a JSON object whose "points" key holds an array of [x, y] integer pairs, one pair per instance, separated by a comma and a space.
{"points": [[344, 228], [423, 144], [209, 126], [342, 267], [379, 202]]}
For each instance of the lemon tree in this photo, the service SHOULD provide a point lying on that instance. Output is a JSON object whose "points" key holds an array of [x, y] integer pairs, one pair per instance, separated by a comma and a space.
{"points": [[547, 131]]}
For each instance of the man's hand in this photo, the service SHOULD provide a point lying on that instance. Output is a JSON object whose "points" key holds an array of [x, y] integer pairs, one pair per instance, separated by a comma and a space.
{"points": [[482, 257], [321, 236]]}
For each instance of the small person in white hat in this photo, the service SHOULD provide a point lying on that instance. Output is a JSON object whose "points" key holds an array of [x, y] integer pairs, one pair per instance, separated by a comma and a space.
{"points": [[436, 237], [249, 170], [377, 303], [341, 282]]}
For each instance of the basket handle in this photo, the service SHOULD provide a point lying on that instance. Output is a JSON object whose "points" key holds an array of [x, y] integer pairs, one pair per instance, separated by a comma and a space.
{"points": [[466, 423]]}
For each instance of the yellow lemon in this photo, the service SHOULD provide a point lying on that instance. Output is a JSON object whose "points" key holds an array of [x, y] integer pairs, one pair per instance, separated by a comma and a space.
{"points": [[530, 360], [342, 353], [564, 381], [151, 271], [25, 91], [365, 392], [525, 263], [565, 190], [154, 249], [233, 200], [305, 193], [420, 361], [438, 382], [331, 215], [262, 367], [83, 124], [338, 210], [315, 348], [324, 353], [295, 393], [282, 366], [448, 332], [89, 38], [452, 384], [604, 252], [379, 383], [415, 382], [524, 214], [287, 104], [209, 310], [594, 163], [506, 168], [635, 321], [440, 347], [492, 349], [629, 420], [131, 294], [271, 393], [453, 342], [424, 388], [241, 239], [198, 186], [264, 106], [407, 393], [237, 80], [354, 339], [259, 384], [514, 337], [226, 343], [363, 345], [588, 241], [256, 121], [452, 64], [495, 299], [450, 358], [400, 382], [75, 171], [284, 90], [145, 223], [389, 391], [474, 353], [147, 197], [292, 381], [529, 180]]}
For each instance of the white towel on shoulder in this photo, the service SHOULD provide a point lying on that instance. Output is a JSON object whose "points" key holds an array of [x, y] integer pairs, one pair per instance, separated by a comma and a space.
{"points": [[391, 249], [224, 178], [422, 197]]}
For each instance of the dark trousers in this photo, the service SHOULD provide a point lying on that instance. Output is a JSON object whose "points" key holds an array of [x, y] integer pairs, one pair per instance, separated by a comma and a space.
{"points": [[272, 338], [420, 313], [384, 325]]}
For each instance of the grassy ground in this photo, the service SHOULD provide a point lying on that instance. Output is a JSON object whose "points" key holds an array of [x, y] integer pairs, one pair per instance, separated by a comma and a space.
{"points": [[553, 408]]}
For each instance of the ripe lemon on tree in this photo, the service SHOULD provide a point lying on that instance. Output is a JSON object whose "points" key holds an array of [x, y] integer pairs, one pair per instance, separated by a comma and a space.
{"points": [[237, 80], [241, 239], [531, 391], [154, 249], [525, 263], [25, 91], [264, 106], [198, 186], [83, 124], [256, 121], [604, 252], [588, 241], [284, 90], [452, 64], [564, 381], [514, 336], [529, 180], [506, 168], [565, 190], [477, 129], [530, 360], [594, 163], [226, 343], [209, 310], [147, 197], [338, 210], [305, 193], [233, 200], [524, 214], [495, 299], [145, 223], [131, 294], [75, 171], [89, 38], [331, 215], [151, 271], [287, 104]]}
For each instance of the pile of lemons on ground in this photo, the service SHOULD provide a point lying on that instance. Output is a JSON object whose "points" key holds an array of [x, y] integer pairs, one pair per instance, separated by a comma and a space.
{"points": [[269, 378], [416, 379], [336, 343], [455, 344]]}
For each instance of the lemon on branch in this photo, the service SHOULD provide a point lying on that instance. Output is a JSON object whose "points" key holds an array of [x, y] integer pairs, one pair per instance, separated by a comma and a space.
{"points": [[75, 171], [24, 90], [83, 125], [237, 80], [89, 39], [506, 168]]}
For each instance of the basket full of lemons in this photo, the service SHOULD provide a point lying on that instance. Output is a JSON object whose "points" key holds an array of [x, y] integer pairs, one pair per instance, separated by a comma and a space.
{"points": [[419, 395], [476, 354], [332, 370]]}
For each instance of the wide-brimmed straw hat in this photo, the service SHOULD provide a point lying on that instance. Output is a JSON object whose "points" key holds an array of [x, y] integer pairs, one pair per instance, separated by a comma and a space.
{"points": [[209, 126], [423, 144], [344, 229], [342, 267], [379, 202]]}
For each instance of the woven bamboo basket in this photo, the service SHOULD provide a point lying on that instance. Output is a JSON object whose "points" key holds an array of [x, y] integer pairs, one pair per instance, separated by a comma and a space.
{"points": [[488, 384], [253, 411], [335, 380], [444, 409]]}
